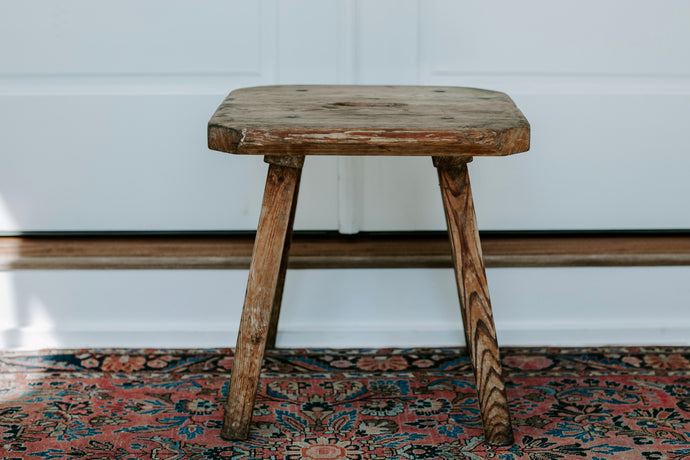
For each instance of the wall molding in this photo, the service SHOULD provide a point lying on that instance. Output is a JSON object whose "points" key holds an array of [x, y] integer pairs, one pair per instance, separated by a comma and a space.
{"points": [[232, 250]]}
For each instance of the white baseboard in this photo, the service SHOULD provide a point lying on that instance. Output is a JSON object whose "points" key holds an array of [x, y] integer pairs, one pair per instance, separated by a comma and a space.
{"points": [[344, 338], [344, 308]]}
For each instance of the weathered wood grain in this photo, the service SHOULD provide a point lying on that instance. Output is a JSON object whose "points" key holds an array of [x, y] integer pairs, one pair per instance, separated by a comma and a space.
{"points": [[368, 120], [210, 250], [294, 162], [475, 304], [263, 284]]}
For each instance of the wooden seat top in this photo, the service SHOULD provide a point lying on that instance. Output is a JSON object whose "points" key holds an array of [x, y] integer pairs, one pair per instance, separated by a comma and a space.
{"points": [[368, 120]]}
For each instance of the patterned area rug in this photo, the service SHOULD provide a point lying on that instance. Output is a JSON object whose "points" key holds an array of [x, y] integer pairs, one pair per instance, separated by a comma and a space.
{"points": [[344, 404]]}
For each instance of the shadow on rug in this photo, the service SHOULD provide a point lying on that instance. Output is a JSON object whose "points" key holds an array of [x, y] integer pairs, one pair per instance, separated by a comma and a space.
{"points": [[344, 404]]}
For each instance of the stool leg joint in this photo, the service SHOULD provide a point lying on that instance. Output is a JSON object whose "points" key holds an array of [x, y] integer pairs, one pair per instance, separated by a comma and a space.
{"points": [[294, 161], [450, 162]]}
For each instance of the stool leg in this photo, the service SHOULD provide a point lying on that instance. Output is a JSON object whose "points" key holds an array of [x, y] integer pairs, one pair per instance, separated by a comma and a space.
{"points": [[278, 297], [474, 299], [264, 282]]}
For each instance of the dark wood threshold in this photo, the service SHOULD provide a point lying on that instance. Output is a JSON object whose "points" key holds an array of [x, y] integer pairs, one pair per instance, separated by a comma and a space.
{"points": [[214, 250]]}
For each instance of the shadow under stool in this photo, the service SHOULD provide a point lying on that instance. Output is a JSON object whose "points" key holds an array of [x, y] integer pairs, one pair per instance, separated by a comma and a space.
{"points": [[287, 123]]}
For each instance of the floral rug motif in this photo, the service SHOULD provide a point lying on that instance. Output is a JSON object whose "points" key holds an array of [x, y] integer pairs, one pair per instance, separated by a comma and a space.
{"points": [[596, 403]]}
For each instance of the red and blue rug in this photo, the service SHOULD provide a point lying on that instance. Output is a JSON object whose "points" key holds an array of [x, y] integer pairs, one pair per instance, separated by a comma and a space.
{"points": [[596, 403]]}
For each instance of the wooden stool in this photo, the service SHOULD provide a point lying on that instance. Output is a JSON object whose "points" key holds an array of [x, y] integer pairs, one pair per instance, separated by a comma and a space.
{"points": [[285, 123]]}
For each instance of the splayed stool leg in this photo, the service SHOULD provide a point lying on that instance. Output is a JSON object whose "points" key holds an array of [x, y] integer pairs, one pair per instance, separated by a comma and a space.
{"points": [[475, 304], [264, 289]]}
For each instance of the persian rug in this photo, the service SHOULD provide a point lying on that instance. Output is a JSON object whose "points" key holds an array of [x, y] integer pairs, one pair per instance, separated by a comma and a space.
{"points": [[596, 403]]}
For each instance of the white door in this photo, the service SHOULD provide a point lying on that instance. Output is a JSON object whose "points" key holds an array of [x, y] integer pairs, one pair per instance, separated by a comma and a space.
{"points": [[103, 112]]}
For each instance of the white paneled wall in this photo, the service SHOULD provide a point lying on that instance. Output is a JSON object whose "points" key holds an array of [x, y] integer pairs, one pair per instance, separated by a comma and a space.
{"points": [[103, 111], [104, 106]]}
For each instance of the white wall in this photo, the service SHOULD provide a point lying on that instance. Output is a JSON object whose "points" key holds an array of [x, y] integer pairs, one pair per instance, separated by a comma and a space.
{"points": [[344, 308], [103, 109]]}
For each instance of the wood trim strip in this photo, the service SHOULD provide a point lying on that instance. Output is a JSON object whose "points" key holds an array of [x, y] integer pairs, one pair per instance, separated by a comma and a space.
{"points": [[333, 250]]}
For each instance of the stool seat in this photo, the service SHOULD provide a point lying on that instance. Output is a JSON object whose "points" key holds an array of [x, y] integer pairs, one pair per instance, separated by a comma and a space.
{"points": [[368, 120]]}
